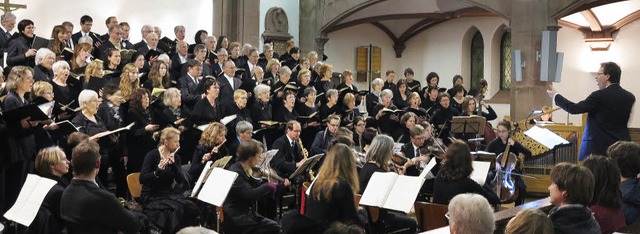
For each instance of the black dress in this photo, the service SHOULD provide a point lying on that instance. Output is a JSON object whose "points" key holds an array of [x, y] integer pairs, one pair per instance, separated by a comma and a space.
{"points": [[340, 208], [165, 206], [48, 219], [139, 141], [445, 190], [91, 128], [240, 209], [308, 132]]}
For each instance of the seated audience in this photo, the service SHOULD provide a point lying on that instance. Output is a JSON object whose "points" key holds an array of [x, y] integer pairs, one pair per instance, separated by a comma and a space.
{"points": [[51, 163], [571, 191], [627, 155], [470, 213], [530, 221], [606, 203]]}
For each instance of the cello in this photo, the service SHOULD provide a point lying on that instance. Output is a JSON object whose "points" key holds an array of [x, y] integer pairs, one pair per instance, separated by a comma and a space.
{"points": [[504, 180], [489, 133]]}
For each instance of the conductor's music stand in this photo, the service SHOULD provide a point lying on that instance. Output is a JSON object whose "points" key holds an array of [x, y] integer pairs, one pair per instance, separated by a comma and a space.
{"points": [[468, 125]]}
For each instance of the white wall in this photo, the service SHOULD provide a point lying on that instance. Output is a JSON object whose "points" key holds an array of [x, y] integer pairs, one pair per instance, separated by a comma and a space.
{"points": [[195, 15], [291, 7]]}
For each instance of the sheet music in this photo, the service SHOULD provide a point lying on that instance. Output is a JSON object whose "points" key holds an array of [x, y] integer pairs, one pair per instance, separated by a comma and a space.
{"points": [[545, 137], [403, 193], [480, 171], [378, 189], [198, 185], [217, 186], [101, 134], [306, 165], [228, 119], [30, 199], [427, 168], [265, 159]]}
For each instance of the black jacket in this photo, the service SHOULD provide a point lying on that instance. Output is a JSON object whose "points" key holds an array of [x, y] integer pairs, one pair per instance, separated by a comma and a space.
{"points": [[573, 218]]}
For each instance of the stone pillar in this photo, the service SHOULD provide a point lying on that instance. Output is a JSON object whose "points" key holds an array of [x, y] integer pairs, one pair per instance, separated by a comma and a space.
{"points": [[309, 10], [239, 20], [320, 42]]}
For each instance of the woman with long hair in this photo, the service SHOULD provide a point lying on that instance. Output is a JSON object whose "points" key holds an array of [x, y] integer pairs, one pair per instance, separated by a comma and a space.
{"points": [[158, 76], [378, 157], [331, 197], [93, 76], [606, 203], [140, 139], [211, 147], [453, 177], [199, 38], [129, 81], [81, 53], [58, 36]]}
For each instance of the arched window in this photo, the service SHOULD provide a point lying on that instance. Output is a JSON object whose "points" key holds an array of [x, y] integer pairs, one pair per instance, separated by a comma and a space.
{"points": [[477, 60], [505, 61]]}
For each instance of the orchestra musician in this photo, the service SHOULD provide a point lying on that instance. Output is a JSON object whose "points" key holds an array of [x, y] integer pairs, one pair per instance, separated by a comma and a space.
{"points": [[240, 205], [289, 156], [453, 177], [378, 158], [323, 138], [499, 145], [167, 208], [210, 147]]}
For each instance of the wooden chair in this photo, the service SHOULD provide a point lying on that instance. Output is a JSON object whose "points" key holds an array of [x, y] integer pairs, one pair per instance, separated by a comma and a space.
{"points": [[133, 182], [430, 215], [220, 218]]}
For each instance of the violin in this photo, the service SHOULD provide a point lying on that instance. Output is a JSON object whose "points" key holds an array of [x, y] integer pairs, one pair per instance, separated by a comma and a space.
{"points": [[504, 180], [259, 173]]}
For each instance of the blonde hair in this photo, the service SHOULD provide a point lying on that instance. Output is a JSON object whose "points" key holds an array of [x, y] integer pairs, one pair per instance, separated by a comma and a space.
{"points": [[238, 93], [166, 134], [209, 135], [92, 69], [39, 88], [17, 75], [530, 221], [323, 69], [46, 158], [339, 164], [270, 64], [126, 86]]}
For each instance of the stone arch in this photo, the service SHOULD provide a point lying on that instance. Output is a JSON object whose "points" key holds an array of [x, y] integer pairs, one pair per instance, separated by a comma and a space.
{"points": [[465, 55], [495, 42], [276, 21]]}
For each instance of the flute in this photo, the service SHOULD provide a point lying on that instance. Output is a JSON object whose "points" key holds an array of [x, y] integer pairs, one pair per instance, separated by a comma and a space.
{"points": [[304, 154]]}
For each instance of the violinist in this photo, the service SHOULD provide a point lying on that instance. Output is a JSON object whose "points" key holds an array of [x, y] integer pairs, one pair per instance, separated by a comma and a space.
{"points": [[411, 150], [499, 145], [378, 158], [453, 177], [240, 210]]}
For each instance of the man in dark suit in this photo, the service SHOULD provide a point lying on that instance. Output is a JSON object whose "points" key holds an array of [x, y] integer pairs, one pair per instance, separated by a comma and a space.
{"points": [[228, 82], [86, 22], [199, 53], [608, 108], [223, 56], [87, 208], [146, 29], [110, 22], [180, 32], [7, 23], [188, 83], [289, 156], [151, 44], [249, 65], [113, 41], [178, 59], [124, 39]]}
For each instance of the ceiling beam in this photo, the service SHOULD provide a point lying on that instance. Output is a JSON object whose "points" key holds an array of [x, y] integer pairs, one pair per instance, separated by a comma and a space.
{"points": [[377, 18], [592, 20]]}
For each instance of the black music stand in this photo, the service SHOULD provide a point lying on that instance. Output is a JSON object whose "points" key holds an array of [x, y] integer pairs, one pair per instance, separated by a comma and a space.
{"points": [[468, 124]]}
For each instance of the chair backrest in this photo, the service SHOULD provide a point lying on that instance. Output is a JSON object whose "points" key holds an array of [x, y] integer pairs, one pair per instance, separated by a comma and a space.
{"points": [[133, 182], [430, 215]]}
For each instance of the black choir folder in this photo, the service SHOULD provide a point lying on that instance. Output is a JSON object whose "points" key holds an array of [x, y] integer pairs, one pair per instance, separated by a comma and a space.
{"points": [[32, 194], [214, 184], [392, 191], [35, 111]]}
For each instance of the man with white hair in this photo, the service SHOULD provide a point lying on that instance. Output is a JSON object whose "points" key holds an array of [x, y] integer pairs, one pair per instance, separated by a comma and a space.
{"points": [[246, 48], [180, 32], [164, 43], [470, 213], [151, 44], [179, 58], [7, 23], [146, 29], [210, 43]]}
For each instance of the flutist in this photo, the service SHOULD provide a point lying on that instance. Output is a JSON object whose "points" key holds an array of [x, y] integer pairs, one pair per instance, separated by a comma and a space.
{"points": [[290, 155]]}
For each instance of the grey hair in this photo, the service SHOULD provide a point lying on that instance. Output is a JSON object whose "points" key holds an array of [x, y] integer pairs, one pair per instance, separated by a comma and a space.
{"points": [[284, 69], [177, 28], [331, 92], [195, 230], [168, 94], [380, 149], [246, 47], [386, 92], [165, 58], [377, 81], [58, 65], [86, 95], [42, 53], [480, 219], [243, 126], [85, 39], [147, 27], [260, 89], [151, 34], [7, 16]]}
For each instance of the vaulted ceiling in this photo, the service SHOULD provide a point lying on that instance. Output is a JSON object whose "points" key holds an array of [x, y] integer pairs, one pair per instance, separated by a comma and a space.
{"points": [[402, 20]]}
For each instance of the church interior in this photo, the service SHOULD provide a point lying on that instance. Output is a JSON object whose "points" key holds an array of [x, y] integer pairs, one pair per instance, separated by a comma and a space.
{"points": [[519, 49]]}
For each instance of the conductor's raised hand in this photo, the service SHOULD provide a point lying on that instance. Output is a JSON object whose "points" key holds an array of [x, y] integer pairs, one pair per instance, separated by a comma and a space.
{"points": [[551, 91]]}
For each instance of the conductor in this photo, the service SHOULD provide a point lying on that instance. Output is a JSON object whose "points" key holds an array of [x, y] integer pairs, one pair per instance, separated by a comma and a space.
{"points": [[608, 110]]}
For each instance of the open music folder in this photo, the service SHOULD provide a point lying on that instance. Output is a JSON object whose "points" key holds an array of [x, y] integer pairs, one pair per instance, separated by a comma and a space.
{"points": [[215, 186], [393, 191], [545, 137], [306, 166], [31, 196]]}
